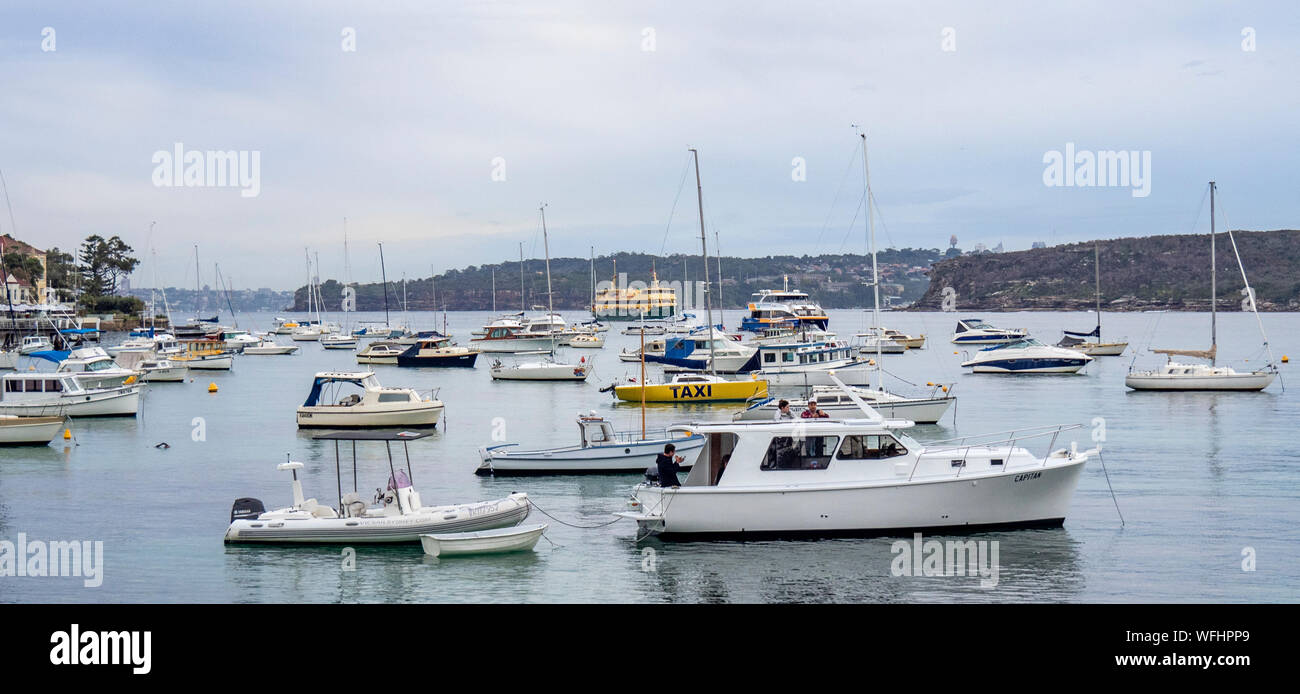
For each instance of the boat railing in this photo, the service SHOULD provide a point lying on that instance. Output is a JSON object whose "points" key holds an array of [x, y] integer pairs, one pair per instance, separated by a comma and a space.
{"points": [[965, 444]]}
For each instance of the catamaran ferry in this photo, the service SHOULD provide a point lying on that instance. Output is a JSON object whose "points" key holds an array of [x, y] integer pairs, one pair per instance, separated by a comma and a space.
{"points": [[770, 308], [635, 303]]}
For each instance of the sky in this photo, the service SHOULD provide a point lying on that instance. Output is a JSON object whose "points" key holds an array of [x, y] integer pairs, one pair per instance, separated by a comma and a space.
{"points": [[450, 123]]}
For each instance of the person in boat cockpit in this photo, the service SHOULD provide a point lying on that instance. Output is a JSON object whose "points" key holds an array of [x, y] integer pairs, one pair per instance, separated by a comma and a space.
{"points": [[669, 465], [813, 413]]}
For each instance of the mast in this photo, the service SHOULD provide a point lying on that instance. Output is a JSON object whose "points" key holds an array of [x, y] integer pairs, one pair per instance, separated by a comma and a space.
{"points": [[198, 286], [310, 296], [875, 274], [593, 283], [522, 304], [1096, 260], [347, 277], [384, 274], [717, 248], [319, 299], [704, 247], [550, 302], [494, 291], [1214, 287]]}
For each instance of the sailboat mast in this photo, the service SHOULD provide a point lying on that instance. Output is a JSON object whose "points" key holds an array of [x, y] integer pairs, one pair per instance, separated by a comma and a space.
{"points": [[717, 248], [704, 248], [494, 291], [875, 273], [384, 275], [198, 285], [522, 304], [1214, 287], [1096, 260]]}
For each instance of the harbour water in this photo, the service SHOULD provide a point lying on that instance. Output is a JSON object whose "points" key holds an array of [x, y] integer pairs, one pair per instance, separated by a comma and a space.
{"points": [[1205, 481]]}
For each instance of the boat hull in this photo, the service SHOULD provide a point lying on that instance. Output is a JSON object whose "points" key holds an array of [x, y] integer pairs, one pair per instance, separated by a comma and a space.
{"points": [[484, 515], [1101, 349], [119, 402], [278, 349], [501, 541], [1038, 496], [171, 374], [29, 431], [1233, 382], [221, 363], [338, 417], [466, 360], [1029, 366], [693, 392]]}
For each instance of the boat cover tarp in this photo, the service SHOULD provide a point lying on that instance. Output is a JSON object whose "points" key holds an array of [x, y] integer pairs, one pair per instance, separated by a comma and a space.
{"points": [[1095, 332], [79, 331], [313, 398], [55, 356]]}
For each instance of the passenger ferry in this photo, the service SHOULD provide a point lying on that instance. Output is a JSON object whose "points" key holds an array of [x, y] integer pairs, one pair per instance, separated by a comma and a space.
{"points": [[770, 308], [632, 303]]}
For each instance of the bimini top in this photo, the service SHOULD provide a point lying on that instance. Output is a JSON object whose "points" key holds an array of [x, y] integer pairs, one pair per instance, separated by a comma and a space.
{"points": [[365, 379], [371, 436]]}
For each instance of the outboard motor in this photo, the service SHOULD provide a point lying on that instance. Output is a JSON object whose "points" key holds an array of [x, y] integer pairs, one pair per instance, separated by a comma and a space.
{"points": [[246, 509], [652, 475]]}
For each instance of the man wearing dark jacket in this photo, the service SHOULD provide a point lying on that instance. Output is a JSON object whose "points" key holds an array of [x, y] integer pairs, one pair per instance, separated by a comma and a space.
{"points": [[669, 466]]}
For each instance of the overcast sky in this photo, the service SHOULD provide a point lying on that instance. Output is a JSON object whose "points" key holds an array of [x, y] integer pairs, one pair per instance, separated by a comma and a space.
{"points": [[400, 135]]}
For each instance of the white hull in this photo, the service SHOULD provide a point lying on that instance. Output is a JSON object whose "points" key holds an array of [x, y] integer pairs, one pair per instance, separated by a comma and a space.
{"points": [[1032, 370], [613, 458], [547, 372], [170, 374], [30, 430], [517, 539], [376, 360], [1014, 497], [268, 350], [514, 344], [124, 402], [406, 415], [484, 515], [1233, 382], [221, 363], [1101, 349]]}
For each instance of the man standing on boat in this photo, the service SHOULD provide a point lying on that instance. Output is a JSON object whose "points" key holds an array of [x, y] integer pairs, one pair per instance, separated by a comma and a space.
{"points": [[669, 465]]}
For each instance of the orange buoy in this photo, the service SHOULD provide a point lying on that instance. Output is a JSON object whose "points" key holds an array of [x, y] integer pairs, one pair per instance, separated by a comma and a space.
{"points": [[67, 434], [1286, 359], [212, 387]]}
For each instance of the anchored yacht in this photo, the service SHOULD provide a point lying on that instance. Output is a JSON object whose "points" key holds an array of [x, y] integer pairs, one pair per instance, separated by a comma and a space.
{"points": [[973, 331]]}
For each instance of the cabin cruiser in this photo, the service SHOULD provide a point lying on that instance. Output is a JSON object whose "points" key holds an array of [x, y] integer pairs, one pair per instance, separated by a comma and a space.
{"points": [[18, 430], [381, 352], [94, 368], [600, 449], [505, 339], [338, 340], [34, 343], [771, 307], [812, 364], [397, 514], [704, 350], [1027, 356], [157, 370], [268, 346], [908, 341], [839, 405], [35, 394], [973, 331], [821, 477], [237, 340], [876, 342], [437, 351], [509, 320], [542, 370], [375, 407]]}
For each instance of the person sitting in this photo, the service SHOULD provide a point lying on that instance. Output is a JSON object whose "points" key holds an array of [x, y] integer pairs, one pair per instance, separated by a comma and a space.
{"points": [[783, 411], [669, 465]]}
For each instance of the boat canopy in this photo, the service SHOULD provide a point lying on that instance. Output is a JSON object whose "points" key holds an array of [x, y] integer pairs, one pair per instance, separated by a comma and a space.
{"points": [[361, 378], [1095, 332], [79, 331]]}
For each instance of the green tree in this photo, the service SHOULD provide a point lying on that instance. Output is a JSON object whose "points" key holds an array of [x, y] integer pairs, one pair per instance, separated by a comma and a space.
{"points": [[60, 269], [103, 263]]}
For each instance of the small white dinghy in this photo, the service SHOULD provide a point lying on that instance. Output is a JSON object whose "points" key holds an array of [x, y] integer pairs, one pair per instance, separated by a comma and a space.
{"points": [[23, 430], [520, 538], [541, 371]]}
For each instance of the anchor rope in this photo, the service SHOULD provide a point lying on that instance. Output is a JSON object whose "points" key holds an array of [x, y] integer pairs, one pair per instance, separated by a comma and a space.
{"points": [[1112, 489], [571, 525]]}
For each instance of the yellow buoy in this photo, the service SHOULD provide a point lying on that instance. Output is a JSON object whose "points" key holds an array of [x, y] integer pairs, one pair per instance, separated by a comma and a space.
{"points": [[928, 383], [212, 387], [129, 380], [1286, 359], [954, 352], [945, 389], [67, 434]]}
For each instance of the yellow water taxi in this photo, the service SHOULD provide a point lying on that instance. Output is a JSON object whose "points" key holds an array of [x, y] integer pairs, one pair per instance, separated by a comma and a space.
{"points": [[693, 388]]}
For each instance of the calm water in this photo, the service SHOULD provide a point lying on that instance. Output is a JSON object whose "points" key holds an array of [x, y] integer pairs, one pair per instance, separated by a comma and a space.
{"points": [[1198, 478]]}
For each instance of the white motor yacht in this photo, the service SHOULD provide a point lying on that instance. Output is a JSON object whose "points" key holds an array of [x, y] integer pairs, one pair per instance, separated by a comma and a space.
{"points": [[36, 394], [1027, 356], [268, 346], [973, 331], [866, 476], [600, 449], [376, 407], [94, 368]]}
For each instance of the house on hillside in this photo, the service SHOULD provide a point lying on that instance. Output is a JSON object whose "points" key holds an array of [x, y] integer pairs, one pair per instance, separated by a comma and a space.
{"points": [[33, 289]]}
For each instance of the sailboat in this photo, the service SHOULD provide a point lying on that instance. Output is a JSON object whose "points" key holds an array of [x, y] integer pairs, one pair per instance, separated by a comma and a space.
{"points": [[547, 369], [308, 330], [1179, 376], [694, 387], [343, 338], [1075, 340]]}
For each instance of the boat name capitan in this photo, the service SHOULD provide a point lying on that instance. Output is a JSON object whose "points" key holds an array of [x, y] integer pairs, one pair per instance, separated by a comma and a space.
{"points": [[1028, 476]]}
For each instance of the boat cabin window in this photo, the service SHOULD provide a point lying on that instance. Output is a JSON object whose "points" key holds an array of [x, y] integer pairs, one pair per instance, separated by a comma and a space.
{"points": [[394, 397], [13, 386], [870, 447], [799, 453], [53, 386], [33, 386]]}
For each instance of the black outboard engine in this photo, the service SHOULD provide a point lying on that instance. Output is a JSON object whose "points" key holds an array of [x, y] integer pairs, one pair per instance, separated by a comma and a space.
{"points": [[652, 474], [246, 509]]}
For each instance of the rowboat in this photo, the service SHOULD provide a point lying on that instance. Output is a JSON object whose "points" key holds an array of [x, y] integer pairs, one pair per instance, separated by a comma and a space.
{"points": [[520, 538]]}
